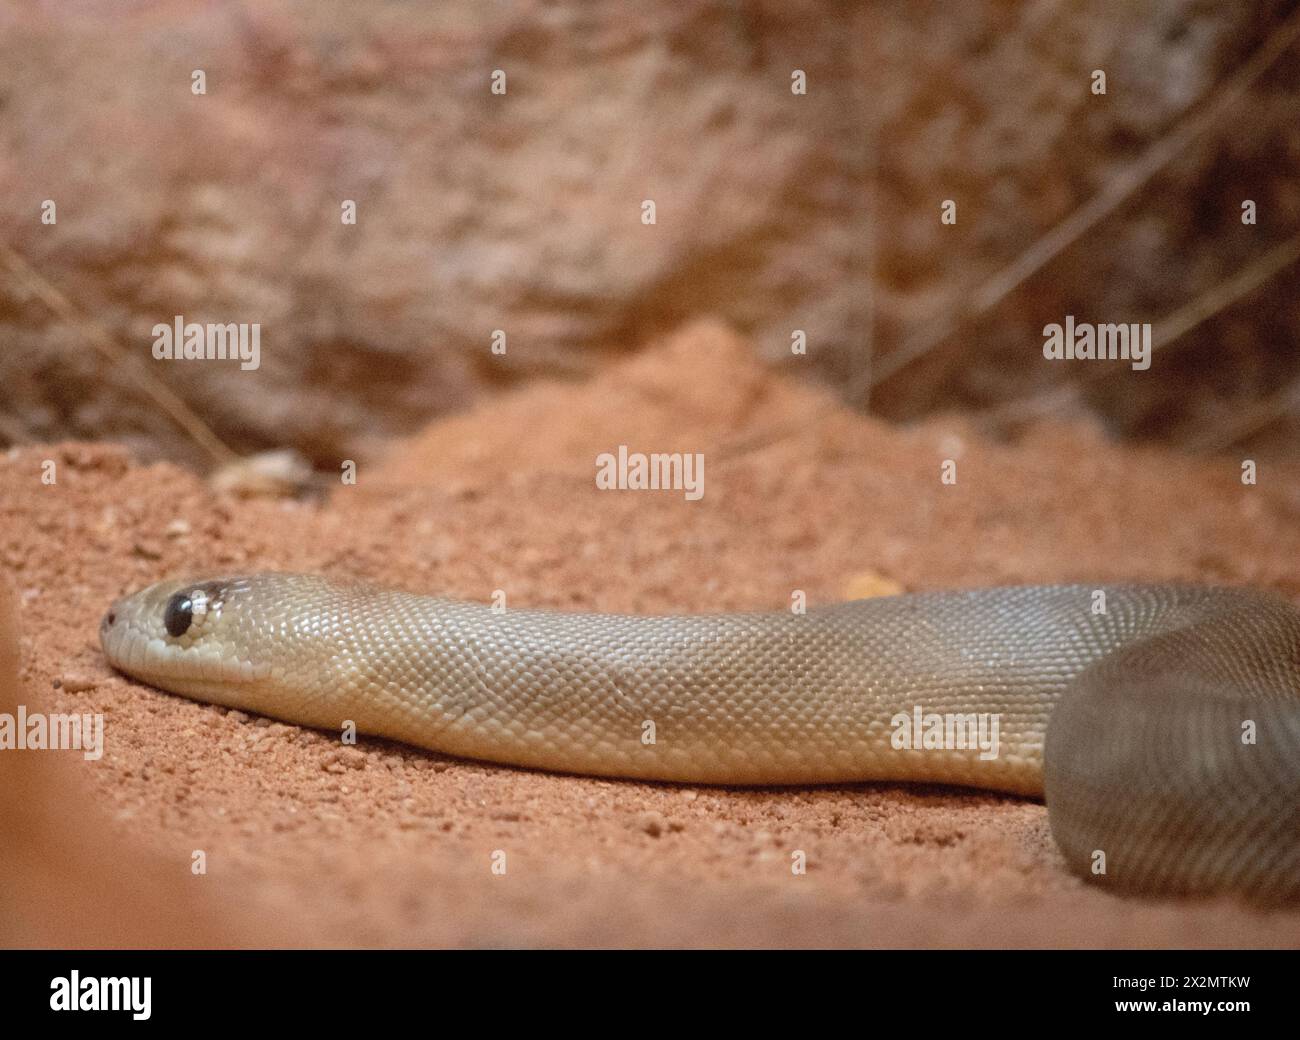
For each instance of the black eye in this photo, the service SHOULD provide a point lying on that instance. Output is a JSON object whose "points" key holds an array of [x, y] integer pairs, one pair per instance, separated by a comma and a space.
{"points": [[179, 614]]}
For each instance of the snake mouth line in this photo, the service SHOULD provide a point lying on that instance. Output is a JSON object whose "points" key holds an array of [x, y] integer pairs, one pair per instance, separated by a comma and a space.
{"points": [[153, 660]]}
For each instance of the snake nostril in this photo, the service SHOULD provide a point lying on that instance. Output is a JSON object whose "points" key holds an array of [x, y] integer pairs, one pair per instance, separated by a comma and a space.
{"points": [[111, 617]]}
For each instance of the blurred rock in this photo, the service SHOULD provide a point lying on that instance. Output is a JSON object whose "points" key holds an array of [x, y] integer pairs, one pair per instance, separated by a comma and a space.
{"points": [[522, 212], [269, 474]]}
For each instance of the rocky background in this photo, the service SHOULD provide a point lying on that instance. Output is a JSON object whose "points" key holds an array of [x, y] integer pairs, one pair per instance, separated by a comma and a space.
{"points": [[522, 212]]}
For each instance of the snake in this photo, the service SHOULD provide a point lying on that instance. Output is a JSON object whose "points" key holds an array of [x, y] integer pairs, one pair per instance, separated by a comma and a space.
{"points": [[1159, 722]]}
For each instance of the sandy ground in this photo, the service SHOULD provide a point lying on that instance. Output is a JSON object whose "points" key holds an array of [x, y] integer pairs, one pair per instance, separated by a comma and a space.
{"points": [[308, 842]]}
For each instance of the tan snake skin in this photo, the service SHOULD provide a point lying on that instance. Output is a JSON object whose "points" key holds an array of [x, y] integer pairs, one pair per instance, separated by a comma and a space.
{"points": [[1171, 764]]}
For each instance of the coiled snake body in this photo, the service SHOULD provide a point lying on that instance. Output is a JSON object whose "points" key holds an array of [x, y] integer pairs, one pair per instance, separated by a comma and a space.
{"points": [[1171, 764]]}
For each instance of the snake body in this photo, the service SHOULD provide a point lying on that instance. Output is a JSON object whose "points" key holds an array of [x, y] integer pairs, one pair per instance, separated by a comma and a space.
{"points": [[1160, 722]]}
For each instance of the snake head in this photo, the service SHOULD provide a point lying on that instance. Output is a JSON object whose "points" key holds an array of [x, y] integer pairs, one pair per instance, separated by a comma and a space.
{"points": [[184, 636]]}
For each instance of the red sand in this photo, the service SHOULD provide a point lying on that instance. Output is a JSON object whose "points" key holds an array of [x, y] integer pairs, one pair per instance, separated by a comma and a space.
{"points": [[308, 842]]}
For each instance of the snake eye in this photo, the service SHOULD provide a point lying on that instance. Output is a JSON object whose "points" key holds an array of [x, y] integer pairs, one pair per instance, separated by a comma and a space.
{"points": [[179, 614]]}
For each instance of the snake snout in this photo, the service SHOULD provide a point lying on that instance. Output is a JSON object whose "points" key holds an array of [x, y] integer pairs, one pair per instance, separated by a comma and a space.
{"points": [[131, 631], [185, 636], [114, 617], [107, 622]]}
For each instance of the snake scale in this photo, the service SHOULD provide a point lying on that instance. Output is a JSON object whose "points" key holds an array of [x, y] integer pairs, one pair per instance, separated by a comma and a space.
{"points": [[1163, 729]]}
